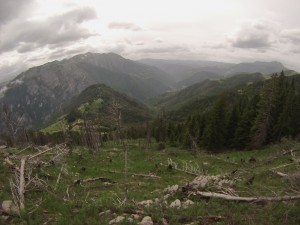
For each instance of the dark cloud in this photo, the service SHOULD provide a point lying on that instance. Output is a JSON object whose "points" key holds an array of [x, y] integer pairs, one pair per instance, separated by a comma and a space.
{"points": [[10, 9], [292, 35], [257, 35], [124, 26], [58, 30]]}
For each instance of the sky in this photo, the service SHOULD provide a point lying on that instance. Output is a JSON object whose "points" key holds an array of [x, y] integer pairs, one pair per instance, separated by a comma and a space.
{"points": [[34, 32]]}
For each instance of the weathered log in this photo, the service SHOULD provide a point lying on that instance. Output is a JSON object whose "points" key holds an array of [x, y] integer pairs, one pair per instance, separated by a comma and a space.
{"points": [[103, 179], [246, 199], [43, 152], [22, 184], [133, 174]]}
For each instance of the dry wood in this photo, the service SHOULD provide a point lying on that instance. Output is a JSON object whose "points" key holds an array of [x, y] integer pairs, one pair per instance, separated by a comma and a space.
{"points": [[12, 164], [24, 149], [280, 174], [43, 152], [133, 174], [284, 165], [246, 199], [58, 178], [22, 184], [103, 179]]}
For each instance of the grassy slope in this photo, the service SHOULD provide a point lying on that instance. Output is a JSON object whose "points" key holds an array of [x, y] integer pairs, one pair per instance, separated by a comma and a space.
{"points": [[97, 99], [87, 201]]}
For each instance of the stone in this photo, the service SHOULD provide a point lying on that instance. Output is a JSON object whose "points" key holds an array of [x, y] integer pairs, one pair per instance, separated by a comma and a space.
{"points": [[145, 203], [105, 212], [172, 189], [136, 216], [187, 203], [116, 220], [176, 204], [10, 208], [147, 220], [166, 196], [163, 221]]}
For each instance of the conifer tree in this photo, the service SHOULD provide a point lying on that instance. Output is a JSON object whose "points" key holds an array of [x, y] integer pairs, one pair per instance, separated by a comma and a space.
{"points": [[215, 130], [263, 122]]}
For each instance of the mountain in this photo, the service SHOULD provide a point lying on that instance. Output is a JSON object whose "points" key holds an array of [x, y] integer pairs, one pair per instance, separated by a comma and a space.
{"points": [[202, 90], [256, 67], [42, 91], [197, 77], [183, 70], [96, 102]]}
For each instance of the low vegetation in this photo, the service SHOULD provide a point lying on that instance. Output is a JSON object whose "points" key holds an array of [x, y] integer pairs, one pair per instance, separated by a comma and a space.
{"points": [[77, 186]]}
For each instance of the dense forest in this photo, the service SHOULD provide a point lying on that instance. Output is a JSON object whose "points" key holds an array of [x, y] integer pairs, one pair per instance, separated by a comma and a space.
{"points": [[238, 119]]}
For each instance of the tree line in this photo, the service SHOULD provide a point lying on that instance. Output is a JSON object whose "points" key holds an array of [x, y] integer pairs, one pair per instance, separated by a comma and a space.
{"points": [[239, 120]]}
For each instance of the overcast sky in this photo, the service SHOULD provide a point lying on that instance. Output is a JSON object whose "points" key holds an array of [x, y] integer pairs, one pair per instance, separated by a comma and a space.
{"points": [[33, 32]]}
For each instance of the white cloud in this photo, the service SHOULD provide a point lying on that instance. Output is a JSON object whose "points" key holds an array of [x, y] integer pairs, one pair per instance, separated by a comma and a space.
{"points": [[292, 35], [56, 30], [254, 35]]}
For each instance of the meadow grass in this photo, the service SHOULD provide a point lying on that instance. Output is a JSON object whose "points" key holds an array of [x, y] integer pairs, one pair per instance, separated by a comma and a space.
{"points": [[81, 204]]}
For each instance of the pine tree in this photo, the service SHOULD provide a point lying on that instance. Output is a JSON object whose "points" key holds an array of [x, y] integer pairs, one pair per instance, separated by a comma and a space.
{"points": [[263, 122], [215, 130], [233, 119]]}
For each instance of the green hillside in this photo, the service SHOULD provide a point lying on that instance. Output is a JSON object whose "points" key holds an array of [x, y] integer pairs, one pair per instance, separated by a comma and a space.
{"points": [[202, 90], [95, 103]]}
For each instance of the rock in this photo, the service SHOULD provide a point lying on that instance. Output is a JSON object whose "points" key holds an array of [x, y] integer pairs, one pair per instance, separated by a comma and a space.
{"points": [[163, 221], [145, 203], [187, 203], [147, 220], [201, 182], [136, 216], [166, 196], [176, 204], [10, 208], [105, 212], [117, 220], [172, 189]]}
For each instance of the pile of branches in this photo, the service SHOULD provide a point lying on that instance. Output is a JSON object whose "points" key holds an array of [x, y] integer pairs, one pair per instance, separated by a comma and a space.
{"points": [[24, 173]]}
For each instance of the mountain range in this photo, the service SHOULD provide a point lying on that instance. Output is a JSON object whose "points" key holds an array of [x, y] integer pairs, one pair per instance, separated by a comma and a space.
{"points": [[44, 91]]}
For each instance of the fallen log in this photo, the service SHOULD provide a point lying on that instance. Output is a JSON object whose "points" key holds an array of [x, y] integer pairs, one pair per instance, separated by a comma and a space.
{"points": [[13, 166], [22, 185], [103, 179], [246, 199], [280, 174], [133, 174], [47, 150]]}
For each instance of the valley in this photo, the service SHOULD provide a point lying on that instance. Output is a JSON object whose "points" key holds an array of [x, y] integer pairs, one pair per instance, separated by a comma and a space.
{"points": [[101, 139]]}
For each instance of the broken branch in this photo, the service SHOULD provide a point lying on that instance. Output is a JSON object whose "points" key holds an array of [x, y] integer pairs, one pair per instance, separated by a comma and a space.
{"points": [[133, 174], [246, 199]]}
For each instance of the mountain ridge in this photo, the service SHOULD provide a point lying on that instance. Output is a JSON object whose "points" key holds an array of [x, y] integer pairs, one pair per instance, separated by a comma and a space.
{"points": [[42, 91]]}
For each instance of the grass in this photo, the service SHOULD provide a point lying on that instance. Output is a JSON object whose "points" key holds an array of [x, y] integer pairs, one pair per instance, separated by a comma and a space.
{"points": [[87, 201]]}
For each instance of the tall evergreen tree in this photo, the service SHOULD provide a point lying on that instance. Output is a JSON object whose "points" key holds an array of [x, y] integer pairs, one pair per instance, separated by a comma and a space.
{"points": [[215, 130], [263, 122]]}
